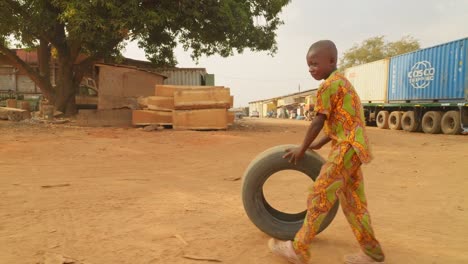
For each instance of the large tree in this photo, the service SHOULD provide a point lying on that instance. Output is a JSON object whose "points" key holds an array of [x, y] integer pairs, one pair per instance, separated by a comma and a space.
{"points": [[377, 48], [100, 29]]}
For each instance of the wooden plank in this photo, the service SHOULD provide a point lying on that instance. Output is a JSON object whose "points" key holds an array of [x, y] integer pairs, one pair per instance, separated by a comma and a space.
{"points": [[148, 117], [169, 90], [158, 103], [13, 114], [205, 119], [204, 98], [231, 102], [231, 116]]}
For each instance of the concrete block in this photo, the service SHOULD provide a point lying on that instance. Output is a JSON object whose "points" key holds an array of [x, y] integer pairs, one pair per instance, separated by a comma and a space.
{"points": [[148, 117], [203, 98], [205, 119], [110, 102], [231, 102], [25, 105], [105, 118], [11, 103], [169, 90], [158, 103]]}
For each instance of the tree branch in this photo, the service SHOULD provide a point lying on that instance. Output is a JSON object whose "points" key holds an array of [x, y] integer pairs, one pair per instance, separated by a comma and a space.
{"points": [[40, 81], [17, 8]]}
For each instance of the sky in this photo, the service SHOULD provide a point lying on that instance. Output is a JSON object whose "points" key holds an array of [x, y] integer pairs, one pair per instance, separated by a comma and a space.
{"points": [[257, 76]]}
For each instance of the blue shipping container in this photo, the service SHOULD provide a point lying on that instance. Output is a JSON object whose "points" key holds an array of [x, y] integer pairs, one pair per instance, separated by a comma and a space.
{"points": [[436, 74]]}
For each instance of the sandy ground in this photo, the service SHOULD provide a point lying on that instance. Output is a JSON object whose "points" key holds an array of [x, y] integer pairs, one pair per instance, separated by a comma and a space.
{"points": [[113, 195]]}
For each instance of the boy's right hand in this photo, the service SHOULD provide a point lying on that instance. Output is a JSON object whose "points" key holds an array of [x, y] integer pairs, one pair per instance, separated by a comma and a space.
{"points": [[294, 155]]}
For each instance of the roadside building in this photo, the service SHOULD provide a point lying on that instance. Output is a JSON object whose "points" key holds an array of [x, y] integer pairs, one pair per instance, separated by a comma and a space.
{"points": [[296, 105]]}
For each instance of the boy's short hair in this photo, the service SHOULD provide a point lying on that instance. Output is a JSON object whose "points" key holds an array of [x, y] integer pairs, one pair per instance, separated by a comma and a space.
{"points": [[325, 46]]}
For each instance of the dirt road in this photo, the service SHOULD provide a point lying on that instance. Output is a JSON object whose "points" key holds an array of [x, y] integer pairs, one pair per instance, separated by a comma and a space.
{"points": [[107, 195]]}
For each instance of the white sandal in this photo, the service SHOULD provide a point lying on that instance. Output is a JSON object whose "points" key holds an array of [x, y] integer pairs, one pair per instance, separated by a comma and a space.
{"points": [[285, 250]]}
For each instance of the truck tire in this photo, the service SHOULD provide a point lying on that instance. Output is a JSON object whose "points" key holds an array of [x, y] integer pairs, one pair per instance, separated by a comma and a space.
{"points": [[278, 224], [394, 121], [382, 120], [409, 122], [431, 122], [451, 123]]}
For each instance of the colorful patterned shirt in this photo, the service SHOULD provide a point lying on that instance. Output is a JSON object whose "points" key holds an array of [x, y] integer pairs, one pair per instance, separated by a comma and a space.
{"points": [[345, 124]]}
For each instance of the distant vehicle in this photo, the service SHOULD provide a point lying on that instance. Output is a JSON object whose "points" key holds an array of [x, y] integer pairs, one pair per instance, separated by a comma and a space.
{"points": [[239, 115], [422, 90], [254, 114]]}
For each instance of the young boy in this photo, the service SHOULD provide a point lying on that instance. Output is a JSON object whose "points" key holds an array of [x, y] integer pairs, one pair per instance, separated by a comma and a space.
{"points": [[339, 109]]}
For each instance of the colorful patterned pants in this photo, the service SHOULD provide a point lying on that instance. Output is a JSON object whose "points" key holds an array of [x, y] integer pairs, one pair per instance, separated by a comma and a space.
{"points": [[340, 178]]}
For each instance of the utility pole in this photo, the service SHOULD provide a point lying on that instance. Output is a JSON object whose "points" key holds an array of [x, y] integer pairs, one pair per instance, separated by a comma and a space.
{"points": [[299, 86]]}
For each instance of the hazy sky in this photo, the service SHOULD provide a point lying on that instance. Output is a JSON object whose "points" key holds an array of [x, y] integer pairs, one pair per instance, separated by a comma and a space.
{"points": [[256, 76]]}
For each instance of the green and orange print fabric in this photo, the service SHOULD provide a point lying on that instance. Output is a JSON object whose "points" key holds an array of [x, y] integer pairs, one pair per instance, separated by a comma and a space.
{"points": [[345, 124]]}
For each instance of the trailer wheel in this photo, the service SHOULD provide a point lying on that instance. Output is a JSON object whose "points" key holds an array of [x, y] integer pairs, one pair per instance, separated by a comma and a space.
{"points": [[409, 122], [394, 121], [451, 123], [278, 224], [382, 119], [431, 122]]}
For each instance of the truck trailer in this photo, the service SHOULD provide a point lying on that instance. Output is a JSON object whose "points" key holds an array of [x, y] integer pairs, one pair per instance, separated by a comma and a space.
{"points": [[425, 90]]}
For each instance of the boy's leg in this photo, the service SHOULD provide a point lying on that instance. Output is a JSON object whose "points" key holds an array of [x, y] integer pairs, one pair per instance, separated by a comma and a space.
{"points": [[354, 205], [321, 199]]}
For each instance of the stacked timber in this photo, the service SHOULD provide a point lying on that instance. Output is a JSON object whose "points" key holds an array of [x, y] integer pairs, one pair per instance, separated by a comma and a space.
{"points": [[13, 114], [155, 110], [186, 107]]}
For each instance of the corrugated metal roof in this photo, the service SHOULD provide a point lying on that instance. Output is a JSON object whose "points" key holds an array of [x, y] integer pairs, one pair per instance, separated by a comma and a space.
{"points": [[184, 76], [129, 67]]}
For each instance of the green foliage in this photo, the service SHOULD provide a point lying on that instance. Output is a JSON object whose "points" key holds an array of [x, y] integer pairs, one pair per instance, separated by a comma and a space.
{"points": [[100, 27], [377, 48]]}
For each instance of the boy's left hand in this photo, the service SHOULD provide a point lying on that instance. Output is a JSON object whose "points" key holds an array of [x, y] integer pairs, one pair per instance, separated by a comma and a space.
{"points": [[294, 155]]}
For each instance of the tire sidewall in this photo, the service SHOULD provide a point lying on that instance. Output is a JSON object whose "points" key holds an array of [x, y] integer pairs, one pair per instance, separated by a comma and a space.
{"points": [[260, 169]]}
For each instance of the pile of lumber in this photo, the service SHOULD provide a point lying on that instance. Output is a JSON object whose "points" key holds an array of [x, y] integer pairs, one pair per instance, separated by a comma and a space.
{"points": [[13, 113], [186, 107]]}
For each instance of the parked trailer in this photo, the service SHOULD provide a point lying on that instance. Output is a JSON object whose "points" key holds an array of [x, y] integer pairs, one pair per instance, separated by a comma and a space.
{"points": [[423, 90]]}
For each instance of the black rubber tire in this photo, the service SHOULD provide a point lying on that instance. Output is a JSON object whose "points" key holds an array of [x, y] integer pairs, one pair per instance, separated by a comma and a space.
{"points": [[382, 119], [431, 122], [451, 123], [278, 224], [409, 122], [394, 121]]}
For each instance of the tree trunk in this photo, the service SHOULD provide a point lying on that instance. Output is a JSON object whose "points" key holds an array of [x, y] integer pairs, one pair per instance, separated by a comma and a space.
{"points": [[66, 86], [43, 54]]}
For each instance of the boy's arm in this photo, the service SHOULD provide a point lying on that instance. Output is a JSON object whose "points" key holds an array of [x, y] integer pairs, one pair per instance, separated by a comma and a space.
{"points": [[312, 133], [320, 143]]}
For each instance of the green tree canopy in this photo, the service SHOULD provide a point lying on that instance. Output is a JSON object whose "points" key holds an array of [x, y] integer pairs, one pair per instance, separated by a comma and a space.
{"points": [[377, 48], [100, 28]]}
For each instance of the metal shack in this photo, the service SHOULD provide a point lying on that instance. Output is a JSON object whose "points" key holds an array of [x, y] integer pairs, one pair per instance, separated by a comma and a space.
{"points": [[120, 86], [16, 81]]}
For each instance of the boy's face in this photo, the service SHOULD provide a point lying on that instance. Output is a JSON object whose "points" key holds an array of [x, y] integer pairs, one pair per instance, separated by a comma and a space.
{"points": [[321, 64]]}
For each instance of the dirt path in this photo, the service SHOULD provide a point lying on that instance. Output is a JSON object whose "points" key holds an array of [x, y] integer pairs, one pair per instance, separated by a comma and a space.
{"points": [[106, 195]]}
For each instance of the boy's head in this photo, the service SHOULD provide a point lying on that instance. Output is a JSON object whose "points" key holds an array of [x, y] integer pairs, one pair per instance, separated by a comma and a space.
{"points": [[322, 59]]}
